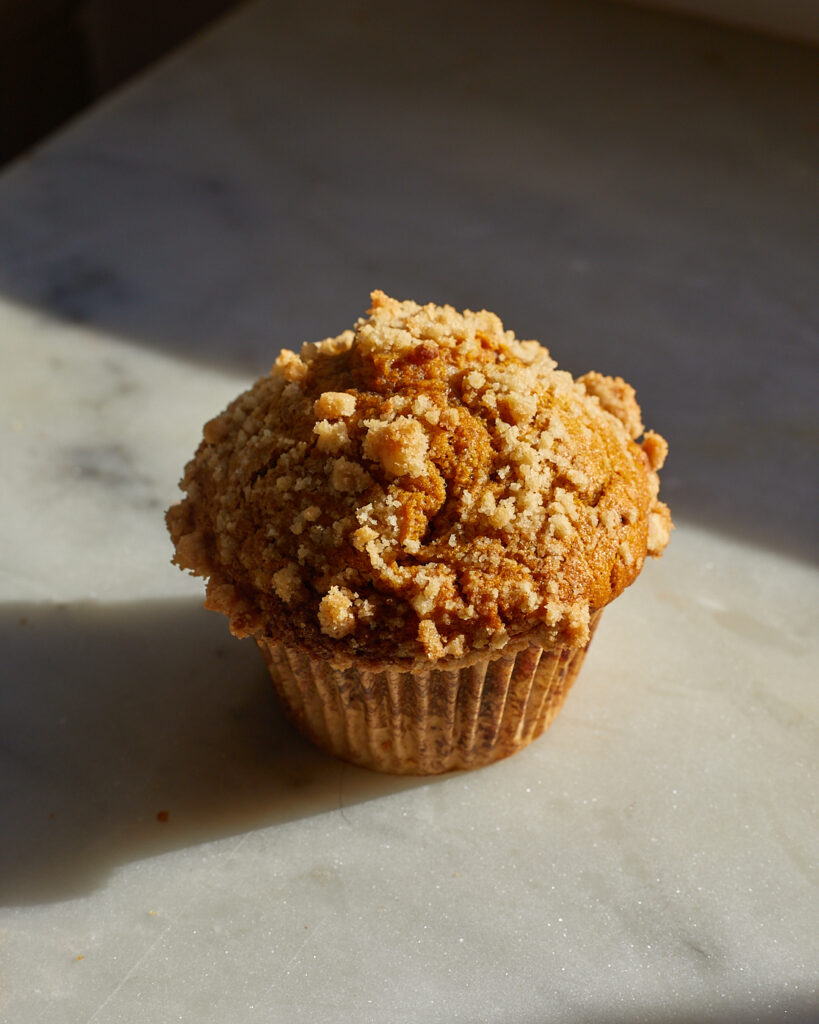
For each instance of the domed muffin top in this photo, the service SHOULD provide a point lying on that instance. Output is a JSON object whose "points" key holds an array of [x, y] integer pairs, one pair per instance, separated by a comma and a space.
{"points": [[424, 488]]}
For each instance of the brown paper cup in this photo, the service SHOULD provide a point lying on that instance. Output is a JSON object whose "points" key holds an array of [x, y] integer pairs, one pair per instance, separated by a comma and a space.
{"points": [[429, 721]]}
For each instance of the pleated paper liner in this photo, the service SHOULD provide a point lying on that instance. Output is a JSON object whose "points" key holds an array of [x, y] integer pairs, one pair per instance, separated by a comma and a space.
{"points": [[429, 721]]}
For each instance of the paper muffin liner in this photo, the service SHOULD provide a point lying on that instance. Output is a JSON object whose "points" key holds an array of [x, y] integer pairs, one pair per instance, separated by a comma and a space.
{"points": [[427, 721]]}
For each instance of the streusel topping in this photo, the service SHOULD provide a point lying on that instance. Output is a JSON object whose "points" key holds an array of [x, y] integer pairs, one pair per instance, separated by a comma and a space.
{"points": [[423, 487]]}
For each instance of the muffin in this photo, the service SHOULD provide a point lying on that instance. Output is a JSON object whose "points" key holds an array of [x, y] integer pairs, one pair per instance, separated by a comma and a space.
{"points": [[420, 522]]}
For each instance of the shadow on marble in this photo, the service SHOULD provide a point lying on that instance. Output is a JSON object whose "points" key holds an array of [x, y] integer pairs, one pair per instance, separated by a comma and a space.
{"points": [[131, 730]]}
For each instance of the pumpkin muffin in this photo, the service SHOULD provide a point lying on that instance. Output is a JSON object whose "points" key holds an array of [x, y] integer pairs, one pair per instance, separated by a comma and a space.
{"points": [[419, 522]]}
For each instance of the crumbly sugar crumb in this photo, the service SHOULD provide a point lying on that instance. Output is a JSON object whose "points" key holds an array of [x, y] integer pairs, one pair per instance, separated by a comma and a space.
{"points": [[419, 488], [287, 582], [616, 397], [335, 613], [333, 404]]}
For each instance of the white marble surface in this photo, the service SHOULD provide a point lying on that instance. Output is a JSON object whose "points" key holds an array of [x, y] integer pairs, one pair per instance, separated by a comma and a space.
{"points": [[637, 192]]}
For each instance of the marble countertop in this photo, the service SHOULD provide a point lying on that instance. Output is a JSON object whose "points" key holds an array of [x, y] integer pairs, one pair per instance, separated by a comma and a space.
{"points": [[638, 192]]}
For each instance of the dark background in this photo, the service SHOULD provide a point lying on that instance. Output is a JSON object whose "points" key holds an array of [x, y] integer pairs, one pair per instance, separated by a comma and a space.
{"points": [[58, 56]]}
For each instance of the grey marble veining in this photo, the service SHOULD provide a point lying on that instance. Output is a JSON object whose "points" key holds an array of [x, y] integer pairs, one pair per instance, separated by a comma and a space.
{"points": [[638, 192]]}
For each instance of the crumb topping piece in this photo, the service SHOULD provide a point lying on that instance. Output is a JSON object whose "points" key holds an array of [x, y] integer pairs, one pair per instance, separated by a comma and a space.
{"points": [[335, 613], [400, 446], [423, 487]]}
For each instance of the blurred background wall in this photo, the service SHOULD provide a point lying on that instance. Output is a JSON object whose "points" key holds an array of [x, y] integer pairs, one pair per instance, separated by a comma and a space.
{"points": [[58, 56]]}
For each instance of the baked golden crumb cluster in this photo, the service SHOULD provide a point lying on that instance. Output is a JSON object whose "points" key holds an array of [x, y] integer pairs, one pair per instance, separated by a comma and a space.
{"points": [[424, 487]]}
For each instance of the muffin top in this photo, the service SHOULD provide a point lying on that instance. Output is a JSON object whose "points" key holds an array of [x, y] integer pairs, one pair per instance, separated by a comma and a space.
{"points": [[425, 487]]}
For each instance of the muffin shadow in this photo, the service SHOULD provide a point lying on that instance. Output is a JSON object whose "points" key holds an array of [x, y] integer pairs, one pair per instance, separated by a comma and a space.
{"points": [[130, 730]]}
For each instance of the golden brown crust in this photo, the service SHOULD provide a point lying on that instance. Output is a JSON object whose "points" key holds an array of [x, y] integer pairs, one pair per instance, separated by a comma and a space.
{"points": [[424, 488]]}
